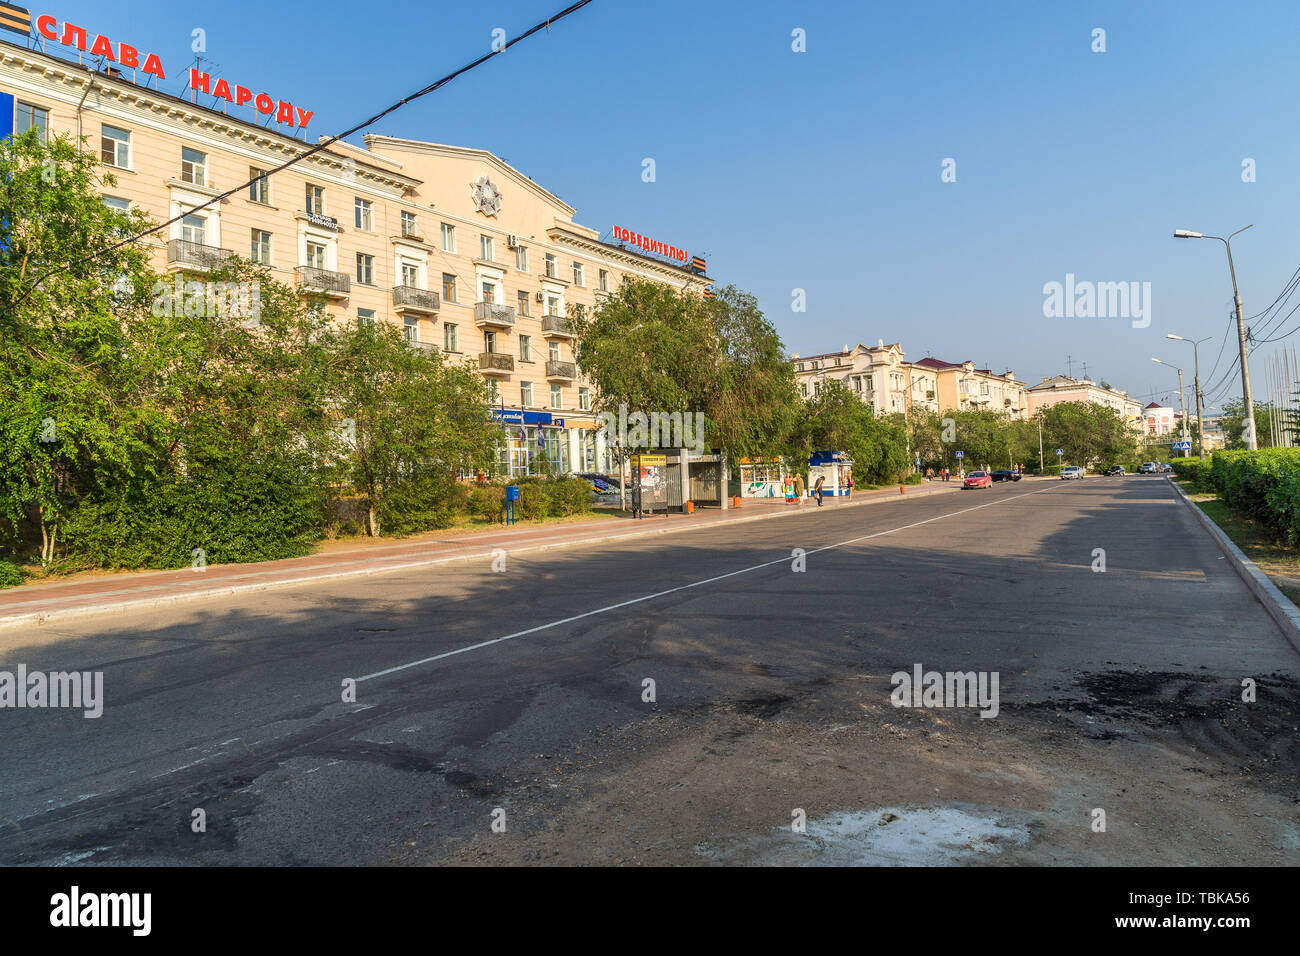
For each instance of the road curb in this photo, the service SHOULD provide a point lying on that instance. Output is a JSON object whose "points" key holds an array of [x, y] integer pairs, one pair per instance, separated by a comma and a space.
{"points": [[42, 617], [1278, 605]]}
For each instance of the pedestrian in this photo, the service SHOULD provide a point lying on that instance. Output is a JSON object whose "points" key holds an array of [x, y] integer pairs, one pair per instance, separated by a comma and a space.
{"points": [[817, 489], [787, 488], [848, 486]]}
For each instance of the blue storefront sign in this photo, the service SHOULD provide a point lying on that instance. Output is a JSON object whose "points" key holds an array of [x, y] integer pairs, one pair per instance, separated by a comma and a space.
{"points": [[6, 129], [513, 416]]}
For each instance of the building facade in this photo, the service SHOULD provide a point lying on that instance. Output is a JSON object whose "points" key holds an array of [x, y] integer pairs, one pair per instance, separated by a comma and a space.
{"points": [[464, 253], [1063, 388], [963, 387]]}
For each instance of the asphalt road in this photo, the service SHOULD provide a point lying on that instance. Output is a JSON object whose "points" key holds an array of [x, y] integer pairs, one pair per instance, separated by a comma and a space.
{"points": [[522, 690]]}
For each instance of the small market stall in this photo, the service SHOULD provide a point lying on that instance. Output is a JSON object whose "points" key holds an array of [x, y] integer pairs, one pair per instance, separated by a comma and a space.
{"points": [[835, 467]]}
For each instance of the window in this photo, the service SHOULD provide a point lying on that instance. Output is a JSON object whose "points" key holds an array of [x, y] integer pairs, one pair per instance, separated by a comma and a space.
{"points": [[526, 394], [803, 390], [194, 229], [365, 269], [115, 147], [194, 166], [577, 273], [259, 189], [584, 399], [489, 341], [411, 329], [523, 303], [555, 352], [261, 247], [552, 305], [488, 292], [551, 267], [315, 255], [493, 391], [410, 275], [364, 215], [869, 385], [118, 205], [316, 199], [525, 348], [366, 317], [408, 225], [485, 247], [449, 341], [448, 238], [448, 289], [557, 396], [33, 117], [604, 281], [521, 258]]}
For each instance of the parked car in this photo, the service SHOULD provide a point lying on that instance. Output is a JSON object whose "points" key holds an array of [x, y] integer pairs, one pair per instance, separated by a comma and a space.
{"points": [[1116, 471], [1149, 468], [978, 479], [1006, 474], [1071, 471], [1166, 468]]}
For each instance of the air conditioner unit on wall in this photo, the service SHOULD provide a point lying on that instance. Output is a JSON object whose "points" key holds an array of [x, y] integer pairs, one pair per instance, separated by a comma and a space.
{"points": [[512, 242]]}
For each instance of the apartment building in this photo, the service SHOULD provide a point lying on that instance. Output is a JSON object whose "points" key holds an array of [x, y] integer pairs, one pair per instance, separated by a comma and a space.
{"points": [[963, 387], [466, 254], [1161, 420], [1063, 388]]}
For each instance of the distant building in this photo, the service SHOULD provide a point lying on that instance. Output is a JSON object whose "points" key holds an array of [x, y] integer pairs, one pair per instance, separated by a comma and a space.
{"points": [[1063, 388], [963, 387], [1160, 420]]}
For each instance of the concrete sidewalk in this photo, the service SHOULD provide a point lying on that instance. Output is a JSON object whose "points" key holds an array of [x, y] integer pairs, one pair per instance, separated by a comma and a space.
{"points": [[36, 604]]}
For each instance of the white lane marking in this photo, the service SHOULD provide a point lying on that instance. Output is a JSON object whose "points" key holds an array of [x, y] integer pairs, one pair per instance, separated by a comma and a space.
{"points": [[683, 587]]}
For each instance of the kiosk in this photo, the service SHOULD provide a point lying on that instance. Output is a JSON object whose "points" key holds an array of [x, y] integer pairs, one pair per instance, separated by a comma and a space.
{"points": [[835, 467]]}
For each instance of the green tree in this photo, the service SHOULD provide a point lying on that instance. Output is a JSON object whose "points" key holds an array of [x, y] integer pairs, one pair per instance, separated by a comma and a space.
{"points": [[835, 419]]}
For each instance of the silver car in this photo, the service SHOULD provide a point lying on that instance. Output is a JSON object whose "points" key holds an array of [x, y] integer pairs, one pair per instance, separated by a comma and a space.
{"points": [[1071, 471]]}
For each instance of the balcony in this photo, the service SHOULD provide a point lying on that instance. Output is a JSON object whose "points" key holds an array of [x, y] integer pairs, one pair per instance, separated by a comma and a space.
{"points": [[555, 327], [493, 316], [335, 285], [410, 299], [496, 363], [565, 371], [186, 256]]}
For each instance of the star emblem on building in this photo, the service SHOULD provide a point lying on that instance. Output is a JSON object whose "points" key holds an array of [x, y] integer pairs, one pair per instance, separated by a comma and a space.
{"points": [[486, 196]]}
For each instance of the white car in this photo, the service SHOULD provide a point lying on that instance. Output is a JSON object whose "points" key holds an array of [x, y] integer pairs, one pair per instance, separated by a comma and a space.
{"points": [[1071, 471]]}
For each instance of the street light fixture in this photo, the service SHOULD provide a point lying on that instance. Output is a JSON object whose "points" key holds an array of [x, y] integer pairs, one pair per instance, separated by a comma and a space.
{"points": [[1248, 399], [1196, 388], [1182, 398]]}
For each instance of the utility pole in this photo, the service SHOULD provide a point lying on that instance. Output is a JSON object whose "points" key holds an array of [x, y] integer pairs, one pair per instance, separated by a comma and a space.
{"points": [[1041, 469], [1196, 388], [1248, 413], [1182, 400]]}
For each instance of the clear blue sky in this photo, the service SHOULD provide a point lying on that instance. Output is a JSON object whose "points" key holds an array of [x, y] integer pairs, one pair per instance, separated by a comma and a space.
{"points": [[821, 170]]}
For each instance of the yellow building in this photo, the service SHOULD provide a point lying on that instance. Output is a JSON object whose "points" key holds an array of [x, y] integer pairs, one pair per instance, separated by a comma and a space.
{"points": [[468, 255]]}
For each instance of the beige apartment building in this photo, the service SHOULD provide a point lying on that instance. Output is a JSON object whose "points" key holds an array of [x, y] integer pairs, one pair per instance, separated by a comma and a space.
{"points": [[1063, 388], [466, 254], [882, 378]]}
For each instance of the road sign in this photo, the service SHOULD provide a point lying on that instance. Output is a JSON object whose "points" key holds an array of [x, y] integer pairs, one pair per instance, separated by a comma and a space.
{"points": [[1183, 445], [961, 454], [1059, 453]]}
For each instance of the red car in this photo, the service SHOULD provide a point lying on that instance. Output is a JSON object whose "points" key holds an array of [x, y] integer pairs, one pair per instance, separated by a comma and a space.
{"points": [[977, 479]]}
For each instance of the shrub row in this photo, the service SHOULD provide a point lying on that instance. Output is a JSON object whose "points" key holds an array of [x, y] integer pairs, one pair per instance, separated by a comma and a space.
{"points": [[1264, 485]]}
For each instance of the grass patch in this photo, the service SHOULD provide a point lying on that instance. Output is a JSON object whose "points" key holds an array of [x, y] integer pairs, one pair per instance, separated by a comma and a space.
{"points": [[1281, 562]]}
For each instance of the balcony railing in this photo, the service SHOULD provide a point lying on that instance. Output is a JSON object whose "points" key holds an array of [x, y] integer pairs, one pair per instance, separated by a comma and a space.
{"points": [[195, 255], [322, 280], [565, 370], [496, 362], [556, 325], [410, 299], [489, 313]]}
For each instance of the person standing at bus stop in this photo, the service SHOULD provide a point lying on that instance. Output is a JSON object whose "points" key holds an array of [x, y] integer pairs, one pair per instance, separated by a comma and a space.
{"points": [[817, 489]]}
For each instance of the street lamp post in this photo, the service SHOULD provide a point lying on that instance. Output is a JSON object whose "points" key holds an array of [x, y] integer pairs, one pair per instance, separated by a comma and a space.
{"points": [[1182, 400], [1249, 411], [1196, 388]]}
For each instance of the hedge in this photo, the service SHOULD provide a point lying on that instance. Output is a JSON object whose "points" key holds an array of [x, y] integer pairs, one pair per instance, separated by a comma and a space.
{"points": [[1264, 484]]}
